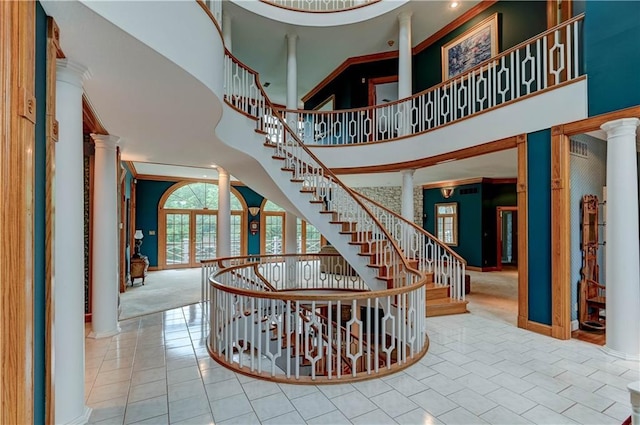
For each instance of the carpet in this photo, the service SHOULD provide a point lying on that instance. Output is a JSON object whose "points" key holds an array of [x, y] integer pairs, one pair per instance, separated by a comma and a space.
{"points": [[162, 290]]}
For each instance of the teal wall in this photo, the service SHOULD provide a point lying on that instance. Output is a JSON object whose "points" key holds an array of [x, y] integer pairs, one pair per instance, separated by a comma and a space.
{"points": [[476, 218], [39, 215], [469, 219], [539, 225], [612, 54], [148, 194], [517, 22], [252, 199]]}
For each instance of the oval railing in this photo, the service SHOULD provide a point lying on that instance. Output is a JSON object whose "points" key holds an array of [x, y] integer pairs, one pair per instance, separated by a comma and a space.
{"points": [[320, 6], [320, 329], [433, 256], [548, 60]]}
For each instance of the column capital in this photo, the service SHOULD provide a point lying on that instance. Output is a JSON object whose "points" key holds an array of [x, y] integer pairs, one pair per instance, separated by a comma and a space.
{"points": [[405, 17], [71, 72], [105, 141], [408, 172], [621, 127], [222, 172], [291, 37]]}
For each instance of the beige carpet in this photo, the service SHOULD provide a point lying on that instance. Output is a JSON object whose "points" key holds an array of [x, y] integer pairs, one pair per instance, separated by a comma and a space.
{"points": [[162, 290], [494, 295]]}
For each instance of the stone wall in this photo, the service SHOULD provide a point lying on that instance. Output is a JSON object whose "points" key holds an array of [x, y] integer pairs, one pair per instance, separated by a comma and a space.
{"points": [[391, 197]]}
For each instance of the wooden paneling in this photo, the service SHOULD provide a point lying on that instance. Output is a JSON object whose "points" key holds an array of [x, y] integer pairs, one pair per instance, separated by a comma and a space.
{"points": [[17, 140], [592, 124], [523, 242], [561, 236], [53, 47]]}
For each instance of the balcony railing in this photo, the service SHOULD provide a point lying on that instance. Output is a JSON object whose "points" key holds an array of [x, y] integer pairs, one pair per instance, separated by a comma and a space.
{"points": [[548, 60], [322, 6]]}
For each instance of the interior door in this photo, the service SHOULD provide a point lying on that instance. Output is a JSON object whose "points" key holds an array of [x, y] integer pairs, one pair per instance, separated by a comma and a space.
{"points": [[205, 237]]}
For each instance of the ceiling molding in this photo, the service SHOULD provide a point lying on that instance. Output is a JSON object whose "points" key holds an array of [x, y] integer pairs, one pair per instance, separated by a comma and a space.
{"points": [[455, 183], [182, 179], [90, 121]]}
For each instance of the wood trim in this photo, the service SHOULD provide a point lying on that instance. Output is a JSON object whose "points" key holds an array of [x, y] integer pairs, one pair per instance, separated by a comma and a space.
{"points": [[460, 20], [319, 106], [551, 13], [448, 183], [53, 47], [594, 123], [499, 211], [346, 64], [87, 317], [481, 269], [213, 18], [490, 147], [90, 121], [17, 141], [92, 158], [122, 231], [538, 328], [523, 237], [566, 12], [132, 168], [561, 235]]}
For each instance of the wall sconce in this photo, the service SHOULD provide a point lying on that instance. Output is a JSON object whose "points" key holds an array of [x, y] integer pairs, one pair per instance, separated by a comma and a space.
{"points": [[446, 192], [254, 211], [138, 236]]}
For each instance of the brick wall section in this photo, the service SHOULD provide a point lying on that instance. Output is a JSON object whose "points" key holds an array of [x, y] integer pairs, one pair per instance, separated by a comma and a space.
{"points": [[391, 197]]}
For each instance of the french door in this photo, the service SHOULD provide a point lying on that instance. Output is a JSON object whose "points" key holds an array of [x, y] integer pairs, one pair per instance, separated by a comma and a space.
{"points": [[190, 237]]}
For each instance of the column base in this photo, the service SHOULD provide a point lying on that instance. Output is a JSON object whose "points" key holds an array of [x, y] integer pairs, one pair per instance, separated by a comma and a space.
{"points": [[620, 354], [98, 335], [82, 419]]}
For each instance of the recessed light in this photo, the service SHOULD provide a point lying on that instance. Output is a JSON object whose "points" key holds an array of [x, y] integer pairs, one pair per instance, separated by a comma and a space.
{"points": [[266, 84], [454, 4], [204, 175], [213, 165]]}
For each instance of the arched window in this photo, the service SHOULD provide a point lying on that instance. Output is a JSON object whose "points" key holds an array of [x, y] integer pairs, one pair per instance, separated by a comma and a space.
{"points": [[188, 217]]}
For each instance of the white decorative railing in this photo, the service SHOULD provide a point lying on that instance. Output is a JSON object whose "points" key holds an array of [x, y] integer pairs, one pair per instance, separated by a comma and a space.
{"points": [[215, 6], [545, 61], [244, 92], [315, 332], [320, 5], [433, 256]]}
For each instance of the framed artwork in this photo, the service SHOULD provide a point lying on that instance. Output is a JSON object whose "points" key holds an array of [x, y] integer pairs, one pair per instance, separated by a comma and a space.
{"points": [[470, 48]]}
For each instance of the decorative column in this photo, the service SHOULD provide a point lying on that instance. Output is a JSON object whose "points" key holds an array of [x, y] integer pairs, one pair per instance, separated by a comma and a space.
{"points": [[104, 292], [634, 395], [404, 55], [223, 236], [291, 247], [292, 72], [69, 247], [622, 250], [226, 31], [407, 194]]}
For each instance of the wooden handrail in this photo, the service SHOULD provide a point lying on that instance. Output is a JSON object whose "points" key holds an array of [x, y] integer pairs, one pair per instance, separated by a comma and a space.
{"points": [[294, 9]]}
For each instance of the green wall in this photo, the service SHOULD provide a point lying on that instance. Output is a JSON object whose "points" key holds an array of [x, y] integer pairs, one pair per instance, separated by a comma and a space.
{"points": [[469, 219], [476, 218], [39, 216], [539, 225], [252, 199], [148, 194], [612, 54]]}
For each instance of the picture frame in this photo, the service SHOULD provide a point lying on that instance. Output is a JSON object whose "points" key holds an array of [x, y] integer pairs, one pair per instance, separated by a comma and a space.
{"points": [[470, 48]]}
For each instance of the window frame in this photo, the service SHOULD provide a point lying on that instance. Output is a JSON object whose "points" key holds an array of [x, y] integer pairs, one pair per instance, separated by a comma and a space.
{"points": [[454, 226]]}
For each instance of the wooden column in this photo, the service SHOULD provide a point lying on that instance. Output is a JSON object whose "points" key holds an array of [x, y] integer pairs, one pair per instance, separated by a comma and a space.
{"points": [[561, 236], [523, 253], [17, 139]]}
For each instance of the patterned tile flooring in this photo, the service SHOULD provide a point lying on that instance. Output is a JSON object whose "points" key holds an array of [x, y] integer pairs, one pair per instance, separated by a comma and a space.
{"points": [[477, 371]]}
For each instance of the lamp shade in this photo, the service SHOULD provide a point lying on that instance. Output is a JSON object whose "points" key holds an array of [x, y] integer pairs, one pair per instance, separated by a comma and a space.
{"points": [[138, 234]]}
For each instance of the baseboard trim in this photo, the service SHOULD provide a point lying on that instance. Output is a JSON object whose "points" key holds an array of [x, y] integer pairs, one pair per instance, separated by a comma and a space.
{"points": [[98, 335], [83, 418], [482, 269], [575, 325], [620, 354], [539, 328]]}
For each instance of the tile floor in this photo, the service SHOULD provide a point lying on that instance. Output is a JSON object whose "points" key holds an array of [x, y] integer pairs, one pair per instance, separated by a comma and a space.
{"points": [[477, 370]]}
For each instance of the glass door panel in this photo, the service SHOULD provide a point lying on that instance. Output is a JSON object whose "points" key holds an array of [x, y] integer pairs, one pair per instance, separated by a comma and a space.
{"points": [[236, 234], [205, 237], [274, 231], [177, 243]]}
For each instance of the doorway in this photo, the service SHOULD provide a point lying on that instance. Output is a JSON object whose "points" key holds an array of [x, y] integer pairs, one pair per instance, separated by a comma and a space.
{"points": [[507, 237]]}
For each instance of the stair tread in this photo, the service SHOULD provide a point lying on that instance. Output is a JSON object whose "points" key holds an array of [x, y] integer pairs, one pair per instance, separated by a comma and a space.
{"points": [[445, 301]]}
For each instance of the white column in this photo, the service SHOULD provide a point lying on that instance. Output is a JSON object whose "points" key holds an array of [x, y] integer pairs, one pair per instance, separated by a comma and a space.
{"points": [[292, 72], [623, 254], [105, 291], [223, 236], [404, 55], [407, 194], [226, 31], [69, 247], [291, 247]]}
